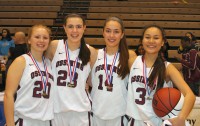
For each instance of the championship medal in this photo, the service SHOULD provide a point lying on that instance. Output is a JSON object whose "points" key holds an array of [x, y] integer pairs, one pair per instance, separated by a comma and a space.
{"points": [[147, 87], [148, 98], [44, 81], [71, 70], [109, 76], [44, 94]]}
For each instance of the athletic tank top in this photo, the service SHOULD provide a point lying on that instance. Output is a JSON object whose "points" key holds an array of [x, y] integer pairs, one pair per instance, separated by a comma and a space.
{"points": [[108, 103], [70, 96], [139, 106], [30, 101]]}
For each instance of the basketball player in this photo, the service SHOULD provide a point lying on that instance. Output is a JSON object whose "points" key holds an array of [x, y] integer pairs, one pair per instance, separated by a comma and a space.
{"points": [[110, 76], [71, 65], [28, 95], [149, 73]]}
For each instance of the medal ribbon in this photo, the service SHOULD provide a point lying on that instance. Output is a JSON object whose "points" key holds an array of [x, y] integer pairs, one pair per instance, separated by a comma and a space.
{"points": [[109, 77], [44, 82], [71, 71], [148, 89]]}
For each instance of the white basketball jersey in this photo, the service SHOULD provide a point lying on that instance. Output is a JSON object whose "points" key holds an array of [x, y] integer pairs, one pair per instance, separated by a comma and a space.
{"points": [[70, 97], [108, 103], [139, 106], [30, 101]]}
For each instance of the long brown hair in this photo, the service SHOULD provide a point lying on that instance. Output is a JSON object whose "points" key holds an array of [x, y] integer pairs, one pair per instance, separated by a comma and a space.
{"points": [[159, 69], [123, 68], [84, 54]]}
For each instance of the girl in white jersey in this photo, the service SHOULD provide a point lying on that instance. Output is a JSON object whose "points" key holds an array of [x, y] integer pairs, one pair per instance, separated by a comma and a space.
{"points": [[71, 66], [28, 95], [149, 73], [110, 76]]}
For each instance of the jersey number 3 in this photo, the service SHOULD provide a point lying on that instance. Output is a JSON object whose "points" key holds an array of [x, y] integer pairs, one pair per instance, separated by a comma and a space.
{"points": [[142, 95]]}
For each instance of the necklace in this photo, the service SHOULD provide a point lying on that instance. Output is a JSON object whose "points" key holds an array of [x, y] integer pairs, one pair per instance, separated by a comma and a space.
{"points": [[146, 82], [110, 72], [44, 81], [71, 70]]}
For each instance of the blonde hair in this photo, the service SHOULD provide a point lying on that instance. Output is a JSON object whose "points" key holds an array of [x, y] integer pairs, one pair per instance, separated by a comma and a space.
{"points": [[30, 32]]}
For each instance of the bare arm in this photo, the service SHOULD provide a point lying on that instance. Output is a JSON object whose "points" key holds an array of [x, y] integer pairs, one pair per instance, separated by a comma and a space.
{"points": [[51, 49], [12, 83], [189, 100]]}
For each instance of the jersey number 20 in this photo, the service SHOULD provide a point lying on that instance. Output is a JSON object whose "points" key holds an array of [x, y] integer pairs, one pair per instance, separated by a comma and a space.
{"points": [[38, 90]]}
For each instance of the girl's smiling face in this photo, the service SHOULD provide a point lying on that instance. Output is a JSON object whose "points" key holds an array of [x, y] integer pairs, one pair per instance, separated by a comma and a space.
{"points": [[152, 40], [112, 33]]}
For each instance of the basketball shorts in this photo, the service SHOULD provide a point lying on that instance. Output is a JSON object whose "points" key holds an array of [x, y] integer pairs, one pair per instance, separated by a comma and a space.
{"points": [[72, 118], [156, 121], [31, 122], [119, 121]]}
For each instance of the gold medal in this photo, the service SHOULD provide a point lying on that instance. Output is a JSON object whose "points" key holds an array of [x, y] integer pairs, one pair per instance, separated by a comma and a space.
{"points": [[46, 74], [71, 67], [148, 98], [44, 94], [70, 84]]}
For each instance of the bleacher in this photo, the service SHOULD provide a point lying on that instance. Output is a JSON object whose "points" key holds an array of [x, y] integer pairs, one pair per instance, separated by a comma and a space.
{"points": [[20, 15], [176, 17]]}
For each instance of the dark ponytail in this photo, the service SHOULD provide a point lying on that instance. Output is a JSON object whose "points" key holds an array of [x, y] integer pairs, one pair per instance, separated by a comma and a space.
{"points": [[159, 70], [84, 53], [123, 58]]}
